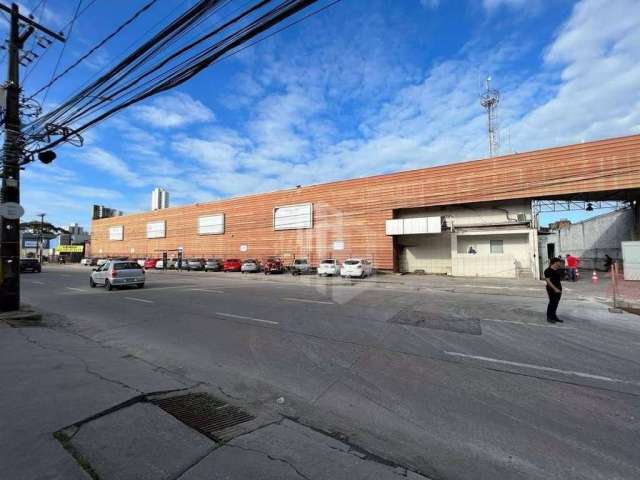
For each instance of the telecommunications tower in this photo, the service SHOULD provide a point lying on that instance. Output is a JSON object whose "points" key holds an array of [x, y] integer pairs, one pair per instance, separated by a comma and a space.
{"points": [[489, 100]]}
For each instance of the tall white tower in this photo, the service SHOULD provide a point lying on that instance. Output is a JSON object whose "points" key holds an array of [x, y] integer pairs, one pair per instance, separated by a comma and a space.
{"points": [[489, 100], [159, 199]]}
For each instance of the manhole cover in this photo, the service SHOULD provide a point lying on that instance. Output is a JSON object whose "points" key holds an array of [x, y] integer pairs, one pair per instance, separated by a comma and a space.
{"points": [[204, 413], [428, 320]]}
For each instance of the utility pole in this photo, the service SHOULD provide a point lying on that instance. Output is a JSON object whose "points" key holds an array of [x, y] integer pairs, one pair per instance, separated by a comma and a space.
{"points": [[13, 154], [41, 238]]}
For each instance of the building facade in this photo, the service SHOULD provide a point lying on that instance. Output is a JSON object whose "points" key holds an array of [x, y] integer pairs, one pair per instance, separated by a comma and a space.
{"points": [[159, 199], [419, 220], [591, 239]]}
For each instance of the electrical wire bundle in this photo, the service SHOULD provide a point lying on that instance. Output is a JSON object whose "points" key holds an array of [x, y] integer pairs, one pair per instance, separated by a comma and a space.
{"points": [[159, 64]]}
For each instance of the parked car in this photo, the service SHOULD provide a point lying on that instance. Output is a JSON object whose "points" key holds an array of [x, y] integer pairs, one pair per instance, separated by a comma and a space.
{"points": [[30, 265], [101, 261], [232, 265], [329, 266], [356, 267], [150, 263], [85, 262], [300, 266], [250, 266], [273, 265], [118, 273], [171, 263], [141, 261], [195, 263], [212, 265]]}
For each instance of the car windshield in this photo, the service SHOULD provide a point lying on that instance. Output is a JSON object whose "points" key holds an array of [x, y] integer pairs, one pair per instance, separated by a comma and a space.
{"points": [[249, 261], [126, 266], [300, 262], [328, 262], [352, 262]]}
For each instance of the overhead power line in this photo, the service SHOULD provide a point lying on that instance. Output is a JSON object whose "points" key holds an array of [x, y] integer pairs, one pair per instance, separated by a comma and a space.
{"points": [[160, 64], [64, 46], [100, 44]]}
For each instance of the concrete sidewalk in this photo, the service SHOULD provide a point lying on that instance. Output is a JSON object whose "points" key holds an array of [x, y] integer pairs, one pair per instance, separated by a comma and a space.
{"points": [[95, 399]]}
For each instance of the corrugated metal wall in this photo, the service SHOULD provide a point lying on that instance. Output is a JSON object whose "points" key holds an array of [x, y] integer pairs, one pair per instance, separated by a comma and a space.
{"points": [[354, 211]]}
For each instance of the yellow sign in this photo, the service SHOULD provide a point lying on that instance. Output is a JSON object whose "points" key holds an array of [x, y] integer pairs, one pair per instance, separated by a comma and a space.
{"points": [[69, 248]]}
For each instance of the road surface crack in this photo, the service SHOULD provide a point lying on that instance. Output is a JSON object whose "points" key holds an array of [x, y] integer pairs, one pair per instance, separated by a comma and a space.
{"points": [[272, 458], [87, 368]]}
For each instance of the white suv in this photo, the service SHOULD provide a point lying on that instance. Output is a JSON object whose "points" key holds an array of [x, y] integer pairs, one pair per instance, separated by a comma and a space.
{"points": [[356, 267]]}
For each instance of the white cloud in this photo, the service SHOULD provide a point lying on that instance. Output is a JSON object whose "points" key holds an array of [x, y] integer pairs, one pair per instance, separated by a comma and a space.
{"points": [[430, 3], [495, 4], [111, 165], [173, 110]]}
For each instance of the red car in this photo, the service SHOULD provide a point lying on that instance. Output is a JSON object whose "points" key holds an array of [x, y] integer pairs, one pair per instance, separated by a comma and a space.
{"points": [[150, 263], [273, 265], [232, 265]]}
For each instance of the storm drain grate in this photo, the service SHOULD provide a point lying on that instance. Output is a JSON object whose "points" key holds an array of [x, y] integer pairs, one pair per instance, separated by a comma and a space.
{"points": [[204, 413]]}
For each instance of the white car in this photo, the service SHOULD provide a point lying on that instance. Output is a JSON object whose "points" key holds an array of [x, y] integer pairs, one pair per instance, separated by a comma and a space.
{"points": [[356, 267], [85, 262], [141, 262], [117, 273], [171, 263], [329, 266], [101, 261]]}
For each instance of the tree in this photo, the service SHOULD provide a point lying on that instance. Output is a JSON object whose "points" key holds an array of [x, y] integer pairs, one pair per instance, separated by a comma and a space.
{"points": [[46, 229]]}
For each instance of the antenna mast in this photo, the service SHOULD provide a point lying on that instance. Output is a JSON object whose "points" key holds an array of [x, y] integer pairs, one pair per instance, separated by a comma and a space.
{"points": [[489, 100]]}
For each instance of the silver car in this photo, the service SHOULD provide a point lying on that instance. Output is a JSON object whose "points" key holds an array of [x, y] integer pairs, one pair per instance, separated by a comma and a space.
{"points": [[250, 266], [117, 273]]}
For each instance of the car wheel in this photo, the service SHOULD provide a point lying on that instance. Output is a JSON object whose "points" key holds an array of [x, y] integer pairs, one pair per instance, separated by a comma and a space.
{"points": [[108, 286], [141, 285], [92, 284]]}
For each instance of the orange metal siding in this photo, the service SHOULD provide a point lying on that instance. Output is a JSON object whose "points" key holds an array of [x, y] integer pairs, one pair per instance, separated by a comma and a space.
{"points": [[355, 211]]}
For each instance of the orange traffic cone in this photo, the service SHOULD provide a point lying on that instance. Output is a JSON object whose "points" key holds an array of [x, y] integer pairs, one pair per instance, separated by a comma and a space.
{"points": [[594, 277]]}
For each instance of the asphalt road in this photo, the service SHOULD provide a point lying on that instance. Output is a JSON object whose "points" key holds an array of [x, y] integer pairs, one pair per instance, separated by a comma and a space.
{"points": [[457, 385]]}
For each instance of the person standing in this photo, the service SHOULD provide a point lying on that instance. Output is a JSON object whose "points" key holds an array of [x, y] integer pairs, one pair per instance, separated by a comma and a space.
{"points": [[572, 267], [608, 261], [552, 277]]}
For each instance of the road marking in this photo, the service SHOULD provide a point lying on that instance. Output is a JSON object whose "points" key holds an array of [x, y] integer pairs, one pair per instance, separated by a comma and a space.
{"points": [[242, 317], [308, 301], [205, 290], [76, 289], [542, 368], [138, 299], [37, 282], [527, 323]]}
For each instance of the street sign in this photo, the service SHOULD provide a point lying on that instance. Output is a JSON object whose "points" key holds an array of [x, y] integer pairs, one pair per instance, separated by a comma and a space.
{"points": [[11, 210]]}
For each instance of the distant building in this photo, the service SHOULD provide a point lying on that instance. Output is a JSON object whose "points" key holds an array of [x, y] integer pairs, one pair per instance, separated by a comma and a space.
{"points": [[100, 211], [562, 223], [76, 236], [159, 199], [589, 239]]}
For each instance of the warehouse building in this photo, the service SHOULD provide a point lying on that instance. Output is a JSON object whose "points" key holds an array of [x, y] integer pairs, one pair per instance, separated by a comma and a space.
{"points": [[463, 219]]}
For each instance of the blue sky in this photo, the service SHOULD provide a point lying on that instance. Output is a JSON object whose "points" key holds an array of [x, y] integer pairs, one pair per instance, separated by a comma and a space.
{"points": [[365, 87]]}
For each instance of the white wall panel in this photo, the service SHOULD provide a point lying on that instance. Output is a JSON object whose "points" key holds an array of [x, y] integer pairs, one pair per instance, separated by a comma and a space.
{"points": [[156, 229], [211, 224], [116, 233], [394, 227], [292, 217]]}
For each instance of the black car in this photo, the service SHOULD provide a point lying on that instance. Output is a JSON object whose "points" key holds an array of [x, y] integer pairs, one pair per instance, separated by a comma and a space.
{"points": [[30, 265]]}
